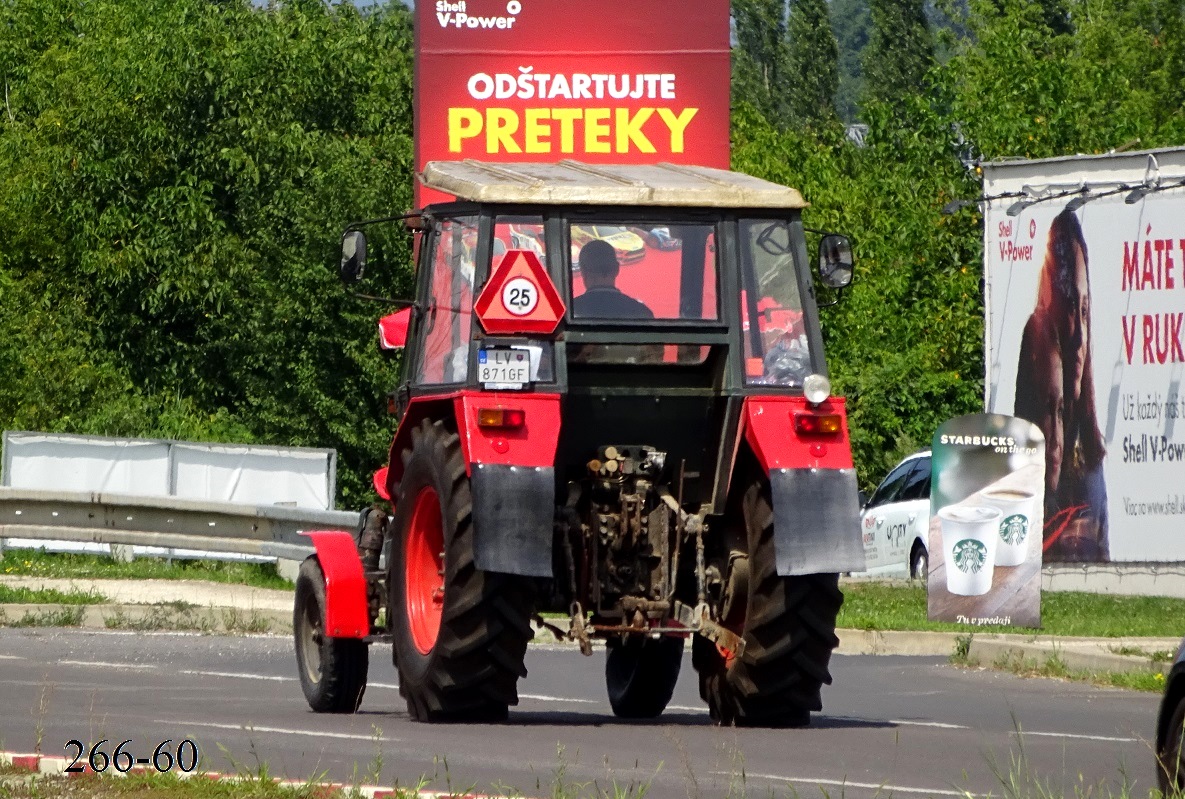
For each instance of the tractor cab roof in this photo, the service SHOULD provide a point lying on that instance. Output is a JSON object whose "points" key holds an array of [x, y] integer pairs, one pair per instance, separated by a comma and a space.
{"points": [[570, 182]]}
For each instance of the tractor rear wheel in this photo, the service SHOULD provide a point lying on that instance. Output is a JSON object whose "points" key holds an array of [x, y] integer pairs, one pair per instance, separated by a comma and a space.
{"points": [[332, 670], [788, 625], [460, 633], [641, 673]]}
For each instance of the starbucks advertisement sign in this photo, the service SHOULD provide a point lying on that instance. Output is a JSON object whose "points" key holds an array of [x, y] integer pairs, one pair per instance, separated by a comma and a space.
{"points": [[986, 501]]}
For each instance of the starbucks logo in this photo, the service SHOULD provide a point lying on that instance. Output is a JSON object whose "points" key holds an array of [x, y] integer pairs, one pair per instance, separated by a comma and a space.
{"points": [[970, 555], [1014, 529]]}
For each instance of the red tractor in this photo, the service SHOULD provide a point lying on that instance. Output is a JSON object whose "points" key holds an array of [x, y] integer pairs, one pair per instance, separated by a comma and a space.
{"points": [[614, 404]]}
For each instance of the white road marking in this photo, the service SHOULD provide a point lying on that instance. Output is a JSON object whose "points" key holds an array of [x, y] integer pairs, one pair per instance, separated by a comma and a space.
{"points": [[270, 677], [238, 675], [877, 786], [906, 723], [1075, 735], [541, 698], [107, 665], [277, 730], [11, 657]]}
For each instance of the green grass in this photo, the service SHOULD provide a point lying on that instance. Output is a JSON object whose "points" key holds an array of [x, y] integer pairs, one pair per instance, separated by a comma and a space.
{"points": [[10, 595], [880, 606], [36, 563], [159, 786], [1054, 667], [64, 616]]}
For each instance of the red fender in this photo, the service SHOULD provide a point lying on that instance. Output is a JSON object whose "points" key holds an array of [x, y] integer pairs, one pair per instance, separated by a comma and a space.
{"points": [[769, 430], [347, 613]]}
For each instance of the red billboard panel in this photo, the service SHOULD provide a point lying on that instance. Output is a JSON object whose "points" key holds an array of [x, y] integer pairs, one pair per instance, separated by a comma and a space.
{"points": [[617, 81]]}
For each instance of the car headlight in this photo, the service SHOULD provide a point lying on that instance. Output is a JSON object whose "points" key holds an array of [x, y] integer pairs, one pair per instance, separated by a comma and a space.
{"points": [[816, 388]]}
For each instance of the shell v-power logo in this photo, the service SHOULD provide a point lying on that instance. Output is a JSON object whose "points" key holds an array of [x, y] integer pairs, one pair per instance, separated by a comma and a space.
{"points": [[457, 15]]}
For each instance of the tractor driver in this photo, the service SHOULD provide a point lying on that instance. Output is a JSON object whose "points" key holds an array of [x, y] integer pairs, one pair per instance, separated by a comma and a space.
{"points": [[601, 297]]}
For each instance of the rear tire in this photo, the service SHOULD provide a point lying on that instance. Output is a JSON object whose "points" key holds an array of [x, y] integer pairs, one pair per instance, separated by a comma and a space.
{"points": [[640, 675], [460, 633], [332, 670], [788, 624]]}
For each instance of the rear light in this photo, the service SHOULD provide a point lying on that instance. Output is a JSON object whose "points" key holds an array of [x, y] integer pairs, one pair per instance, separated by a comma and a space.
{"points": [[818, 423], [500, 417]]}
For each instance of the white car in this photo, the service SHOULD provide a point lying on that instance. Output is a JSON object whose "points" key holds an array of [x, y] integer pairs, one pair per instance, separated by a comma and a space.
{"points": [[895, 521]]}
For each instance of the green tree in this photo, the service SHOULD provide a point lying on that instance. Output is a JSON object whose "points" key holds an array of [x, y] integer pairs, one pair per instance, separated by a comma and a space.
{"points": [[759, 56], [174, 175], [900, 51], [852, 23], [812, 64]]}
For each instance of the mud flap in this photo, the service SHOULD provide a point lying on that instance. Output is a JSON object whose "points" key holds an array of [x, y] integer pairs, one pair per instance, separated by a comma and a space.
{"points": [[513, 513], [816, 521]]}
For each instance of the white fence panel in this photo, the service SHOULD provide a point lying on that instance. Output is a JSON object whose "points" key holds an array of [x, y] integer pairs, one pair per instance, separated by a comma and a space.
{"points": [[76, 463]]}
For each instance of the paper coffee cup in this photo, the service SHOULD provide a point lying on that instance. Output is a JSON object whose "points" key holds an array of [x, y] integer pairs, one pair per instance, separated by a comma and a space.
{"points": [[1018, 507], [969, 537]]}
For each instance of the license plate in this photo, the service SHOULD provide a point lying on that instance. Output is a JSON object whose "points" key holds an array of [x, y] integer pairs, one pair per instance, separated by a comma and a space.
{"points": [[504, 367]]}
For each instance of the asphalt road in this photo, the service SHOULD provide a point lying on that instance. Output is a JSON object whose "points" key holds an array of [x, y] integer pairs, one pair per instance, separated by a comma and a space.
{"points": [[905, 726]]}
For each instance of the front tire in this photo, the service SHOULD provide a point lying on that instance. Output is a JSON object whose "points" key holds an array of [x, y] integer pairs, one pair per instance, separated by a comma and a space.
{"points": [[460, 633], [640, 675], [332, 670], [788, 625]]}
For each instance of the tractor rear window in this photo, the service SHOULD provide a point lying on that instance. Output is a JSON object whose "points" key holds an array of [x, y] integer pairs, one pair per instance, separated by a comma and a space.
{"points": [[776, 348], [626, 269]]}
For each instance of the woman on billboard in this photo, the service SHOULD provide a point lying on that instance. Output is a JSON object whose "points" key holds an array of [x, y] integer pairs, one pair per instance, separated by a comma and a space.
{"points": [[1076, 516]]}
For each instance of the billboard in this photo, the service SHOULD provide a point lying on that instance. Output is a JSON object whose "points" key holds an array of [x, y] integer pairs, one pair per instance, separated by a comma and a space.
{"points": [[986, 500], [1086, 303], [620, 81]]}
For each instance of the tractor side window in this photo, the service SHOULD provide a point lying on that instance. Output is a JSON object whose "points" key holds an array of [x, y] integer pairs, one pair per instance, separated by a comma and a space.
{"points": [[448, 316], [777, 351], [518, 233], [632, 269]]}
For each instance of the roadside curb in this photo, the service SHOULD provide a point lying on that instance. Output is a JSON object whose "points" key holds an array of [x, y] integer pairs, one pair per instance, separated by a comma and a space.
{"points": [[1076, 655], [50, 766], [1086, 654]]}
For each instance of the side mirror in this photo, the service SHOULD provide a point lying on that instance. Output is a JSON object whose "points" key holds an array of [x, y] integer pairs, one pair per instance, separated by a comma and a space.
{"points": [[862, 497], [835, 261], [393, 330], [353, 264]]}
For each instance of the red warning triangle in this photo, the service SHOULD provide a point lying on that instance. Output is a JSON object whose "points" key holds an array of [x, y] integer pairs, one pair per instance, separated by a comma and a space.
{"points": [[519, 297]]}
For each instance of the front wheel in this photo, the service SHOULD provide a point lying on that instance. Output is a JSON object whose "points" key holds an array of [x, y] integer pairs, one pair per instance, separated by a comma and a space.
{"points": [[640, 674], [332, 670]]}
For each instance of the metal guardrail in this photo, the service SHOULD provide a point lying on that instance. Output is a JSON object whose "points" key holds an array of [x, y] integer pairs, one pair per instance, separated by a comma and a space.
{"points": [[167, 522]]}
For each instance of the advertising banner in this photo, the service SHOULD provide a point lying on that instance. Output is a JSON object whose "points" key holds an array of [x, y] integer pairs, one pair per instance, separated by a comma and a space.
{"points": [[986, 499], [618, 81], [1086, 340]]}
